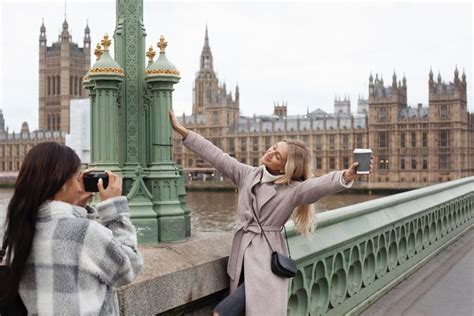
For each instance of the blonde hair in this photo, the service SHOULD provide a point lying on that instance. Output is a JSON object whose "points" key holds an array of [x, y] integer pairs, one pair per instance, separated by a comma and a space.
{"points": [[298, 168]]}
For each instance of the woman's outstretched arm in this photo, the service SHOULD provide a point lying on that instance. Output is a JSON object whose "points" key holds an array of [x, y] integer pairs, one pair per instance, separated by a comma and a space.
{"points": [[313, 189], [225, 164]]}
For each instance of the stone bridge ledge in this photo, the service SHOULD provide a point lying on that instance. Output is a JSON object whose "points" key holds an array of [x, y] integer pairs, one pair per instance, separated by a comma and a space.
{"points": [[179, 274]]}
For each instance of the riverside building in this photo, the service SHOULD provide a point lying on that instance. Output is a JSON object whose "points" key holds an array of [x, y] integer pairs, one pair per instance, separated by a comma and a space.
{"points": [[61, 68], [412, 146]]}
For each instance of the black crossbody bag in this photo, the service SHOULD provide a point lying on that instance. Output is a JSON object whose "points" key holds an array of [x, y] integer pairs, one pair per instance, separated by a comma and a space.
{"points": [[281, 265]]}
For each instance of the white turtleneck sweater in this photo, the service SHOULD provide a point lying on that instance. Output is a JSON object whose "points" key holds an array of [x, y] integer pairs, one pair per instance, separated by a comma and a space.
{"points": [[268, 177]]}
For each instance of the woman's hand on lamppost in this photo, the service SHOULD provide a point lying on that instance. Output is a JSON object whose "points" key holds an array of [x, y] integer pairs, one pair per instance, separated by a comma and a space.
{"points": [[177, 126]]}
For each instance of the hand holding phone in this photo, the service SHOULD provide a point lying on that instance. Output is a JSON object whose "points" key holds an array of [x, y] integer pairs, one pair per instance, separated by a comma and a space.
{"points": [[92, 178]]}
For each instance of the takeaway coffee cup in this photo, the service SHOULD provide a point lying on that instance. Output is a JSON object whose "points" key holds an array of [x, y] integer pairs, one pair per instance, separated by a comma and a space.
{"points": [[362, 156]]}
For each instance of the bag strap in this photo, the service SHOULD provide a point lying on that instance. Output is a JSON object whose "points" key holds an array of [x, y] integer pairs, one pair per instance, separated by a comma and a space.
{"points": [[261, 228], [3, 250], [287, 245]]}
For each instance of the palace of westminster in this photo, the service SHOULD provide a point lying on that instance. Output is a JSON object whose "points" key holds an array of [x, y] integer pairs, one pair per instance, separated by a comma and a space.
{"points": [[412, 146]]}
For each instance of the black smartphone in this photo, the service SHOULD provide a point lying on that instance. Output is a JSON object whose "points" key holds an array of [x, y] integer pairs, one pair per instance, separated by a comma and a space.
{"points": [[91, 179]]}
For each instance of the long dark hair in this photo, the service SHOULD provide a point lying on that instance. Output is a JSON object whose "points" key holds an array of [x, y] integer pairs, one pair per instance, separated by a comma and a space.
{"points": [[44, 171]]}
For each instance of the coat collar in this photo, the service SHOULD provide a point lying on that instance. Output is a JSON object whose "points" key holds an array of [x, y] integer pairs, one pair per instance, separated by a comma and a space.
{"points": [[267, 191], [52, 209]]}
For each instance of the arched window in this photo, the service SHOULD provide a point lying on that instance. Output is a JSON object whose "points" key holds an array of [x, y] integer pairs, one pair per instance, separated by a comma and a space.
{"points": [[75, 85], [53, 83], [70, 85], [58, 88], [49, 85], [58, 122]]}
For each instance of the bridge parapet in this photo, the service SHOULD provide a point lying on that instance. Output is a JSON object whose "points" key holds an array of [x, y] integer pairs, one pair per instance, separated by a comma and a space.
{"points": [[359, 252]]}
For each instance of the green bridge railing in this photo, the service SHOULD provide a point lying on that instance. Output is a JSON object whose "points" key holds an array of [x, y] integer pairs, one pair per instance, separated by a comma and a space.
{"points": [[361, 251]]}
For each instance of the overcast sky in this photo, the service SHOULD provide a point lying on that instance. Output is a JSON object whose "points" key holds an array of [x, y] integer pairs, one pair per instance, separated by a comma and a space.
{"points": [[302, 53]]}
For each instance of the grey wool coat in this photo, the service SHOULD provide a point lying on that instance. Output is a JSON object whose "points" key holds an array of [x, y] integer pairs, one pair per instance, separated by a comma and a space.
{"points": [[265, 292]]}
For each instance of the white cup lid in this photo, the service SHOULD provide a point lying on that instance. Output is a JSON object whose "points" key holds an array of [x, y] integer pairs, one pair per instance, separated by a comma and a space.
{"points": [[362, 151]]}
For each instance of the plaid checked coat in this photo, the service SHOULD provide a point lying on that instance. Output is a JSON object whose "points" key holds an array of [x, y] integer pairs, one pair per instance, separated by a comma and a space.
{"points": [[265, 292], [75, 263]]}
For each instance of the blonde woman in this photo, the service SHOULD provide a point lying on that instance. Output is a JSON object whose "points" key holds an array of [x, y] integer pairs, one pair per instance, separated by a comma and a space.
{"points": [[281, 187]]}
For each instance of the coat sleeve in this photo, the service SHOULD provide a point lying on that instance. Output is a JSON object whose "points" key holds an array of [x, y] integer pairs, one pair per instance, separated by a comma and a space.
{"points": [[110, 250], [225, 164], [313, 189]]}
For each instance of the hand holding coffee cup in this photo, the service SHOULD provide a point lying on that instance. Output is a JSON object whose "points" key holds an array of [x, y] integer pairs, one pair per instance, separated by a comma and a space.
{"points": [[364, 157]]}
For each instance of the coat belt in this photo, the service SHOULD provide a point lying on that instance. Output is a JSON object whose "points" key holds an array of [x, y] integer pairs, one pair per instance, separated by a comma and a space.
{"points": [[255, 228], [240, 230]]}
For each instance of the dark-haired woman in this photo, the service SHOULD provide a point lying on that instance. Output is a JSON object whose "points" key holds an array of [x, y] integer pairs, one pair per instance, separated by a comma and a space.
{"points": [[61, 261]]}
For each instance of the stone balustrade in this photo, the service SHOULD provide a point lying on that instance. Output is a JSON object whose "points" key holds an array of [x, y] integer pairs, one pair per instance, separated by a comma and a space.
{"points": [[359, 252]]}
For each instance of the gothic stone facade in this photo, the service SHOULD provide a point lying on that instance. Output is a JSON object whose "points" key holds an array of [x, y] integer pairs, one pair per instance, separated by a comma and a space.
{"points": [[14, 146], [61, 68], [412, 146]]}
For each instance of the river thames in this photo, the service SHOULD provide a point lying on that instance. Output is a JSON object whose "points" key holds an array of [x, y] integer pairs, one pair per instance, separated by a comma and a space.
{"points": [[216, 211]]}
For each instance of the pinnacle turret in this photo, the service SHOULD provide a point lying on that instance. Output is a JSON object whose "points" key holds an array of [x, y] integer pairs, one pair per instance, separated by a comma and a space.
{"points": [[206, 55], [42, 37], [87, 36]]}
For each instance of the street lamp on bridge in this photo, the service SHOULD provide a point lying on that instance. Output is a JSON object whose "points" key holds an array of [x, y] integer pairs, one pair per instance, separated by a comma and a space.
{"points": [[131, 133]]}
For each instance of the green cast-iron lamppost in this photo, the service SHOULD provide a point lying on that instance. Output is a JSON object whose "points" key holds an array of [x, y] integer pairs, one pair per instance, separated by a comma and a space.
{"points": [[131, 133]]}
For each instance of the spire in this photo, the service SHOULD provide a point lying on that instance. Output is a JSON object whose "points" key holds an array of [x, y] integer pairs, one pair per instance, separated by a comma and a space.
{"points": [[2, 122], [87, 36], [371, 78], [206, 38], [206, 55], [431, 74], [463, 76], [439, 77], [65, 33], [394, 79], [456, 72], [42, 28], [42, 36], [87, 29], [404, 81]]}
